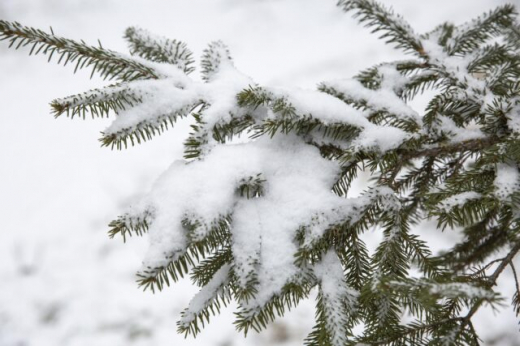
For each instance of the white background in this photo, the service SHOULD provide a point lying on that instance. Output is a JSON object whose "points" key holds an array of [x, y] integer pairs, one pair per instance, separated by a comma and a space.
{"points": [[62, 281]]}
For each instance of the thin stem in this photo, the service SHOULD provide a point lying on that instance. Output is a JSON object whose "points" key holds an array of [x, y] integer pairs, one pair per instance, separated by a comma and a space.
{"points": [[470, 145], [516, 277], [491, 281]]}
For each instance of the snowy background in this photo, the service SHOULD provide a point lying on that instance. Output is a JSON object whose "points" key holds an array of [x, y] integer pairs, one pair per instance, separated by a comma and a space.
{"points": [[62, 281]]}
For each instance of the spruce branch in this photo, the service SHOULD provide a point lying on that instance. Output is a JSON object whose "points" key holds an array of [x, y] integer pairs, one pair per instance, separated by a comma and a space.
{"points": [[206, 269], [442, 32], [127, 225], [208, 301], [193, 145], [97, 102], [328, 329], [441, 150], [513, 36], [159, 49], [379, 113], [490, 282], [145, 130], [215, 238], [257, 318], [215, 57], [516, 295], [473, 34], [394, 28], [489, 56], [236, 126], [348, 174], [108, 64], [289, 120]]}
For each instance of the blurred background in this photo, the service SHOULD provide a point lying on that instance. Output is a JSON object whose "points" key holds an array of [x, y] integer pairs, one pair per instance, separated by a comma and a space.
{"points": [[62, 280]]}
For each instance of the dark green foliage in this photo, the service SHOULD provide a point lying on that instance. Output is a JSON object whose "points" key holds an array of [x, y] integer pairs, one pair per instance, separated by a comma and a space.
{"points": [[99, 102], [470, 37], [394, 28], [145, 130], [288, 120], [106, 63], [291, 295], [216, 54], [179, 263], [159, 49], [128, 226], [221, 297]]}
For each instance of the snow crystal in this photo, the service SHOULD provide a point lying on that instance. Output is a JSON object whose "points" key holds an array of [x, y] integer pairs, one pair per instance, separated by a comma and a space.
{"points": [[514, 120], [507, 181], [392, 80], [457, 289], [330, 109], [221, 93], [160, 98], [383, 138], [456, 133], [327, 108], [339, 299], [206, 296], [381, 99], [455, 65], [458, 200], [329, 272]]}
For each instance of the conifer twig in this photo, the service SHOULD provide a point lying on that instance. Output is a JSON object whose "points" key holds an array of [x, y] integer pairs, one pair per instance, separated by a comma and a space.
{"points": [[107, 63], [490, 282]]}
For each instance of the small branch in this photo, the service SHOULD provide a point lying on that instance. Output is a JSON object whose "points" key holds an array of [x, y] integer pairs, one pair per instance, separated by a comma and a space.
{"points": [[492, 280], [471, 145], [515, 276], [515, 31], [474, 333], [487, 266], [507, 260]]}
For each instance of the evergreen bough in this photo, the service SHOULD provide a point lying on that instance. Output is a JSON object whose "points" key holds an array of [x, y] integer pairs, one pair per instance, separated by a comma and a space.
{"points": [[266, 221]]}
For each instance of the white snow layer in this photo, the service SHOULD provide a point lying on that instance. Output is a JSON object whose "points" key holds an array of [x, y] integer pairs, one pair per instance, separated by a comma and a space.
{"points": [[458, 200], [507, 181], [331, 110], [298, 180], [297, 189], [382, 99], [458, 134], [206, 296], [177, 94], [339, 300]]}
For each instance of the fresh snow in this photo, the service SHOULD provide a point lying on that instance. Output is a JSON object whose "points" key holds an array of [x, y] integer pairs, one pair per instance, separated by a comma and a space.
{"points": [[458, 200], [458, 134], [206, 296], [507, 181], [382, 99], [331, 110], [339, 300], [297, 187]]}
